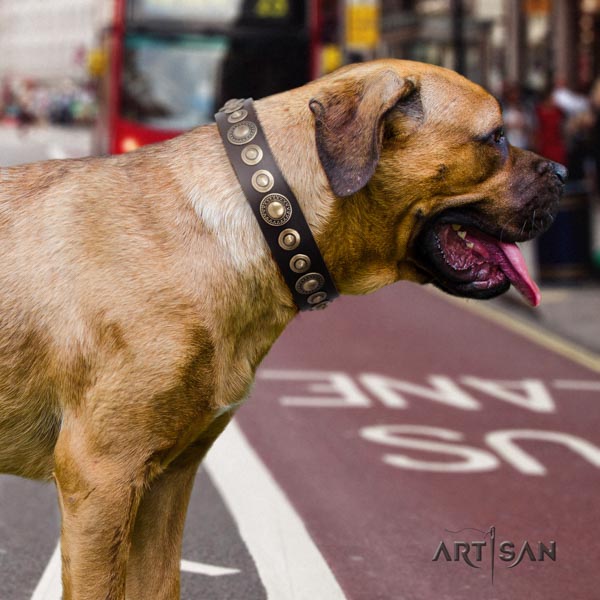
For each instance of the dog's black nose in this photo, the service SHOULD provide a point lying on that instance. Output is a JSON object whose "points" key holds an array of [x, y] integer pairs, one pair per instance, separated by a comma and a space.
{"points": [[555, 168], [560, 171]]}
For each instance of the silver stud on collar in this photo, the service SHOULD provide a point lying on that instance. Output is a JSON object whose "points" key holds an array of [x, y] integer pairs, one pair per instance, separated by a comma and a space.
{"points": [[300, 263], [262, 180], [232, 105], [321, 305], [289, 239], [317, 298], [237, 116], [242, 133], [310, 283], [252, 154], [275, 209]]}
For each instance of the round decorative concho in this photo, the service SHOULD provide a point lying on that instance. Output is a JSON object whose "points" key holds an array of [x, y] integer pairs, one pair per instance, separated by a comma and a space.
{"points": [[237, 115], [300, 263], [310, 283], [289, 239], [263, 181], [321, 306], [317, 298], [242, 133], [275, 209], [252, 154], [232, 105]]}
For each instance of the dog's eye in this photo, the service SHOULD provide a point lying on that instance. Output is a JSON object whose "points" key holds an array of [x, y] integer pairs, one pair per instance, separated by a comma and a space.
{"points": [[499, 137]]}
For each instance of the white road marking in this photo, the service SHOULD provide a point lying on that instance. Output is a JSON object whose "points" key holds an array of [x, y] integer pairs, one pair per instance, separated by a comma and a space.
{"points": [[49, 586], [570, 384], [203, 569], [288, 562]]}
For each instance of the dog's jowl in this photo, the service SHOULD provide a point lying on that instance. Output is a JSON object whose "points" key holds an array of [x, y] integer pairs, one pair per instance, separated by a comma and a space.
{"points": [[138, 293]]}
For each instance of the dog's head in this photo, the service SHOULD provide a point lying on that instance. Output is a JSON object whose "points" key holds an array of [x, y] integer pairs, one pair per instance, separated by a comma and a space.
{"points": [[427, 186]]}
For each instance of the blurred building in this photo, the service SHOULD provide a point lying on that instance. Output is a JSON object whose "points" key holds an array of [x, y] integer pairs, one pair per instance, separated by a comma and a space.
{"points": [[42, 39], [530, 42]]}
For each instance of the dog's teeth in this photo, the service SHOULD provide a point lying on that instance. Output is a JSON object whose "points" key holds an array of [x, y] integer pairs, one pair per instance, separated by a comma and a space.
{"points": [[470, 245], [456, 227], [461, 234]]}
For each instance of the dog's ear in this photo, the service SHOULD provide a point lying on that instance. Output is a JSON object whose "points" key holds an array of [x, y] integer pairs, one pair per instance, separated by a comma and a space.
{"points": [[349, 124]]}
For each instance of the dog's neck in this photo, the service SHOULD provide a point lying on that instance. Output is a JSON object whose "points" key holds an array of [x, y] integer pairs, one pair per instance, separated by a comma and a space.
{"points": [[250, 299], [236, 283]]}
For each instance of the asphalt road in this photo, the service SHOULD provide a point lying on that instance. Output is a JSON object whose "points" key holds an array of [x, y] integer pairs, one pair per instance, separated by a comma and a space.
{"points": [[218, 565], [381, 433], [395, 419]]}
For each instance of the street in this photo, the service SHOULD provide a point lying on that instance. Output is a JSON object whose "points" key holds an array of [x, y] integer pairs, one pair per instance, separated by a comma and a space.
{"points": [[400, 417], [398, 446]]}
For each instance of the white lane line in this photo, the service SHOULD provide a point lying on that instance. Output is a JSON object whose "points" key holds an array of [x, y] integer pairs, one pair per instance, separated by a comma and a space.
{"points": [[49, 586], [288, 561], [191, 566], [571, 384]]}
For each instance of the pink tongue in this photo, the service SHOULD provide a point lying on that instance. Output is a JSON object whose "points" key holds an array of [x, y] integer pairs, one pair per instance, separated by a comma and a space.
{"points": [[516, 270]]}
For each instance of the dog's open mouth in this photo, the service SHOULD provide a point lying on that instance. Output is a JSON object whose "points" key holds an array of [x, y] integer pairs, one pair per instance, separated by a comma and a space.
{"points": [[465, 261]]}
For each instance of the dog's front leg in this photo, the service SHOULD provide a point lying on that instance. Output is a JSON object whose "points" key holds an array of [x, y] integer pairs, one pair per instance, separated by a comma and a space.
{"points": [[153, 565], [99, 494], [153, 568]]}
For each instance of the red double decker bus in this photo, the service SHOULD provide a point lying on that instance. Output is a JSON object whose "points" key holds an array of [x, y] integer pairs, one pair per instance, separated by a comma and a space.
{"points": [[171, 63]]}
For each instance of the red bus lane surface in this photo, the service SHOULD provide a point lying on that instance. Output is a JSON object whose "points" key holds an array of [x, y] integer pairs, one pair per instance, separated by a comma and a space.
{"points": [[399, 421]]}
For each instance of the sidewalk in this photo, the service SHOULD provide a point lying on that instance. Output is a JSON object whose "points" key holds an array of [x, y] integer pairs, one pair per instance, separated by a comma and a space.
{"points": [[569, 312], [42, 143]]}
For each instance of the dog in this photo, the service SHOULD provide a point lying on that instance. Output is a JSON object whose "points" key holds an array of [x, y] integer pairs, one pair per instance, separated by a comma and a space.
{"points": [[138, 297]]}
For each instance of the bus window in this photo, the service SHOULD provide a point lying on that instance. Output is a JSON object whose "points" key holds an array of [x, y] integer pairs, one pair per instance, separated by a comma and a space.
{"points": [[169, 83], [201, 10]]}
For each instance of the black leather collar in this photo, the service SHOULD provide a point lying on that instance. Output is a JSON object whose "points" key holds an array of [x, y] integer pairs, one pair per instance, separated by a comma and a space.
{"points": [[275, 207]]}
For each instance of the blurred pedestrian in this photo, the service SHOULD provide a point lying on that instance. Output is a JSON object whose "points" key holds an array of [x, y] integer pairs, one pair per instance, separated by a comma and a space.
{"points": [[571, 102], [595, 129], [25, 115], [518, 121], [576, 106], [550, 141]]}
